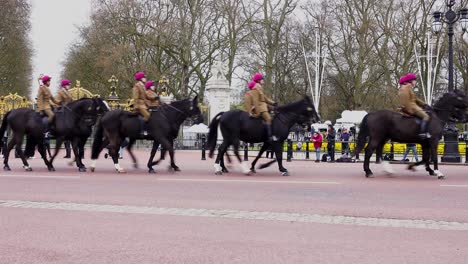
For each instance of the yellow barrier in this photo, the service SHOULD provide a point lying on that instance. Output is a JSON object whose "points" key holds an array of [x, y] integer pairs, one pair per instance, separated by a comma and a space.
{"points": [[397, 147]]}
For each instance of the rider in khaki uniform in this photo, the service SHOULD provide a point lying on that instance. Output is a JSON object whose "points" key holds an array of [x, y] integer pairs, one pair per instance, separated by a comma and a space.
{"points": [[248, 103], [261, 102], [139, 96], [411, 104], [63, 96], [152, 98], [44, 96]]}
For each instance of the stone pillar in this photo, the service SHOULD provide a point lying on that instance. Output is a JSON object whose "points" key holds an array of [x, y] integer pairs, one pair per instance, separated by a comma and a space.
{"points": [[218, 92]]}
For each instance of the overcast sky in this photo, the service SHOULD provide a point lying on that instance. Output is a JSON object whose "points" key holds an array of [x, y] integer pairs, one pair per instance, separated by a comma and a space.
{"points": [[54, 28]]}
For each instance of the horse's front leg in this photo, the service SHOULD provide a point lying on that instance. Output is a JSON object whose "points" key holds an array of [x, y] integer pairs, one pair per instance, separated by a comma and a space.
{"points": [[425, 160], [435, 159], [168, 145], [131, 142], [278, 149], [76, 152], [264, 147], [58, 145], [153, 153]]}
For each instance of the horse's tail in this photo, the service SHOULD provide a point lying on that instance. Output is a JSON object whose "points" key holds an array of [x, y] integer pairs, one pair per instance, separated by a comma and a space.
{"points": [[362, 137], [3, 128], [213, 134], [98, 141]]}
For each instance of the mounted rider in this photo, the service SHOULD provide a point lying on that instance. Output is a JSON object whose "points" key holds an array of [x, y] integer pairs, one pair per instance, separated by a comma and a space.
{"points": [[44, 98], [260, 102], [63, 95], [248, 103], [411, 104], [139, 96], [152, 98]]}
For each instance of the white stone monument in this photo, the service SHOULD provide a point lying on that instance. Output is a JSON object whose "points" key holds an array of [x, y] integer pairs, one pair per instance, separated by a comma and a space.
{"points": [[218, 90]]}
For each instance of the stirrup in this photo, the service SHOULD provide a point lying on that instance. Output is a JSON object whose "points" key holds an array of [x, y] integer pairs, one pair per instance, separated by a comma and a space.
{"points": [[425, 135]]}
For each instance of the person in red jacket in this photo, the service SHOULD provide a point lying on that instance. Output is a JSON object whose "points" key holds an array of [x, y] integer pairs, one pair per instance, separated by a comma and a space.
{"points": [[317, 139]]}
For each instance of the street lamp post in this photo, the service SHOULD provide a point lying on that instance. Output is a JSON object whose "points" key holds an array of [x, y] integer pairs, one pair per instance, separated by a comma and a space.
{"points": [[451, 153], [113, 96]]}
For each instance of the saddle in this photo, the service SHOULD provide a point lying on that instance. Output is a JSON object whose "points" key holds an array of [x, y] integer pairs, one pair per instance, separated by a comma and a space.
{"points": [[143, 125], [407, 115]]}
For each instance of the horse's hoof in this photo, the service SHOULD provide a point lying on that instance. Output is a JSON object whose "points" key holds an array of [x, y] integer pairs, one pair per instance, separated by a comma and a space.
{"points": [[93, 169], [441, 177], [369, 175], [7, 168], [152, 171], [432, 173], [286, 173], [27, 168], [177, 169], [121, 171], [225, 170], [51, 169], [135, 166], [218, 173], [253, 170], [82, 169]]}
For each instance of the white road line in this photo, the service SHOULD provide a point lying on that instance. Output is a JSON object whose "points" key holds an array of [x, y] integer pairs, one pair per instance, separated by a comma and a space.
{"points": [[454, 185], [242, 215], [247, 181], [32, 176]]}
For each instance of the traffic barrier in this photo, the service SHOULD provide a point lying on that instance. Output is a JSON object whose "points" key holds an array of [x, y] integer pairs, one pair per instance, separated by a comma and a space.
{"points": [[289, 151], [203, 151], [246, 151]]}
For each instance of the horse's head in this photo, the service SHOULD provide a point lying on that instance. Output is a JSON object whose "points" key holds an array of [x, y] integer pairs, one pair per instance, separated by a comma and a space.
{"points": [[88, 109], [190, 109], [303, 111], [100, 106], [455, 104]]}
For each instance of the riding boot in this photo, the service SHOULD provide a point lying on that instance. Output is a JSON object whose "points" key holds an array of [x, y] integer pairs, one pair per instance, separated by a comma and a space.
{"points": [[423, 130]]}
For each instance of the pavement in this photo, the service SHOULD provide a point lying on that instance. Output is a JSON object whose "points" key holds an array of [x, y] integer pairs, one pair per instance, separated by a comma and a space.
{"points": [[322, 213]]}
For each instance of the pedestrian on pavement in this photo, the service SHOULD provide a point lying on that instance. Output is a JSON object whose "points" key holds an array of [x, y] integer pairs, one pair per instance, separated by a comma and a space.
{"points": [[317, 139], [412, 147], [344, 142], [331, 135]]}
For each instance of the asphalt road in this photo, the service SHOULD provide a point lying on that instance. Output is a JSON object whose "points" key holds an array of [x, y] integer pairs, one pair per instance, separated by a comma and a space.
{"points": [[322, 213]]}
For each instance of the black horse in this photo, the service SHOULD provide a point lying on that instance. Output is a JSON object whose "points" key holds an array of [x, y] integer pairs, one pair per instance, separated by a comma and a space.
{"points": [[163, 127], [81, 131], [68, 124], [383, 125], [237, 125]]}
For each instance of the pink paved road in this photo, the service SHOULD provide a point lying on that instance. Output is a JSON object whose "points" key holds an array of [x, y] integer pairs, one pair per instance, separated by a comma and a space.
{"points": [[31, 235]]}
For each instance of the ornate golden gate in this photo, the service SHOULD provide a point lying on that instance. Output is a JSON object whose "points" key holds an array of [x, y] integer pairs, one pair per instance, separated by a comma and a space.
{"points": [[79, 92], [13, 101]]}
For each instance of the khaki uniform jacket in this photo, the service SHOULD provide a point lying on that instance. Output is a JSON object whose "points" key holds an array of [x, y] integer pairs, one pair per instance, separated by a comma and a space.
{"points": [[408, 100], [260, 101], [44, 96], [139, 96], [63, 97], [248, 104], [152, 98]]}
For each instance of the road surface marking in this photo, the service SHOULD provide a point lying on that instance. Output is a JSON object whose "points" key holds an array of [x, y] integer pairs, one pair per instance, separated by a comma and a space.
{"points": [[247, 181], [32, 176], [453, 185], [244, 215]]}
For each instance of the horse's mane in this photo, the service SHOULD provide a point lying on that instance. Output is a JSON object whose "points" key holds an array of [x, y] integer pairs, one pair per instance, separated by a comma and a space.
{"points": [[290, 107], [443, 101]]}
